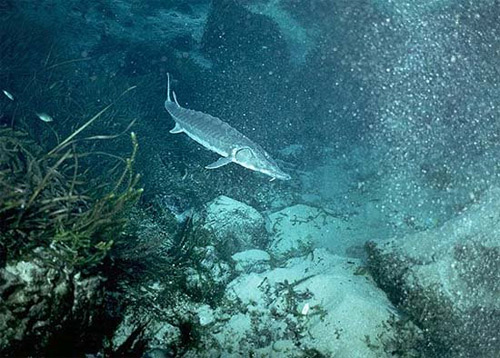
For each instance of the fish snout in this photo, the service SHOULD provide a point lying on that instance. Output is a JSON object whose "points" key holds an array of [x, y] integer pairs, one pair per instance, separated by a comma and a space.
{"points": [[282, 176]]}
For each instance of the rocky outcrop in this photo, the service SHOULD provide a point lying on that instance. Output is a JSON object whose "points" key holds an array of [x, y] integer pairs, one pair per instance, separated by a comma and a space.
{"points": [[235, 226], [42, 302], [232, 32], [316, 306], [309, 303], [447, 280]]}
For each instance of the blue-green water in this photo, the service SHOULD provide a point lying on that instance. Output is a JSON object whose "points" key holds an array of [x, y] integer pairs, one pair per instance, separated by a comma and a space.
{"points": [[384, 113]]}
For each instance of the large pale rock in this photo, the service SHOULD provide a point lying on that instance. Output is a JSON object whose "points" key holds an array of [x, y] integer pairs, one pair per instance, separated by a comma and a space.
{"points": [[447, 280], [321, 306], [235, 226], [157, 334], [252, 261]]}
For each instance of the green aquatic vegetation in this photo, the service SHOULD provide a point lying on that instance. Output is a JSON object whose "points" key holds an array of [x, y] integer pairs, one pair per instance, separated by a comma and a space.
{"points": [[46, 202], [305, 249], [400, 337], [291, 295]]}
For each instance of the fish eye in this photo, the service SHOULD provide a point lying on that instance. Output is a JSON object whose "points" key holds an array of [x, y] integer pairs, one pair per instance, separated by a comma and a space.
{"points": [[245, 153]]}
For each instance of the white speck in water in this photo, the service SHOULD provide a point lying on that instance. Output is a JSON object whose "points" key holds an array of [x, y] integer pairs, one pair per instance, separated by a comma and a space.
{"points": [[305, 309]]}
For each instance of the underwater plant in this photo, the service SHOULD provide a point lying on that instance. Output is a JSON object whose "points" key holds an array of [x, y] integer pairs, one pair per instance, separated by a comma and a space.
{"points": [[46, 202]]}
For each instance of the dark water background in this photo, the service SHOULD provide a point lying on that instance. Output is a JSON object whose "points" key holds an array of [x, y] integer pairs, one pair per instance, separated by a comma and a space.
{"points": [[411, 85]]}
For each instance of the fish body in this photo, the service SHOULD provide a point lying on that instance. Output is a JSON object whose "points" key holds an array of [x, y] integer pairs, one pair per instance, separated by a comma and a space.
{"points": [[219, 137], [44, 117], [8, 94]]}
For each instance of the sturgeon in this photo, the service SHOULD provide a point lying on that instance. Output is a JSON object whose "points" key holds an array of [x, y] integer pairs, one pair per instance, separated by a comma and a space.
{"points": [[219, 137]]}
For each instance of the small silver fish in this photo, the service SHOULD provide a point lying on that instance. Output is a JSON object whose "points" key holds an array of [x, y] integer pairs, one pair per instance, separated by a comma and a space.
{"points": [[44, 117], [8, 94]]}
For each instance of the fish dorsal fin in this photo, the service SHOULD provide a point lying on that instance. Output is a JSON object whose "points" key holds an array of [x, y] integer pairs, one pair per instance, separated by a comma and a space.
{"points": [[176, 129], [219, 163], [168, 87]]}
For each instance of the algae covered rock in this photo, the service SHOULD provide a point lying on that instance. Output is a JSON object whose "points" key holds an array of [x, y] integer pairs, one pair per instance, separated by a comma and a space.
{"points": [[235, 226], [40, 301], [206, 280], [314, 307], [447, 280]]}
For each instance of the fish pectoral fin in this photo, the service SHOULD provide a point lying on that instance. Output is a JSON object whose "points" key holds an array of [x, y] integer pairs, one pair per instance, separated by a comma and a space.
{"points": [[219, 163], [176, 129]]}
